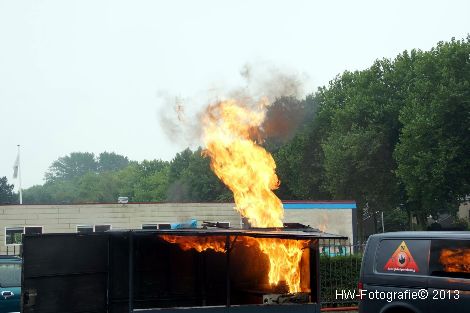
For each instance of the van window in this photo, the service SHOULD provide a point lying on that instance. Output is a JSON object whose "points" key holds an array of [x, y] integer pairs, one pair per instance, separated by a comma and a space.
{"points": [[10, 275], [403, 256], [450, 258]]}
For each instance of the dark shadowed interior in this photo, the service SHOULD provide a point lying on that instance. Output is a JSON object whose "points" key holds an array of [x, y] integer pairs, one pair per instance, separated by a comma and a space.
{"points": [[167, 276]]}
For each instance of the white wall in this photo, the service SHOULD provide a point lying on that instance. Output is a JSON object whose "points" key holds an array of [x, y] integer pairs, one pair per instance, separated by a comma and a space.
{"points": [[65, 218]]}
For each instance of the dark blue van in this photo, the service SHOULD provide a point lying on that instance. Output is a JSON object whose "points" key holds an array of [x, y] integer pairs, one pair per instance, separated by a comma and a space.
{"points": [[416, 272], [10, 284]]}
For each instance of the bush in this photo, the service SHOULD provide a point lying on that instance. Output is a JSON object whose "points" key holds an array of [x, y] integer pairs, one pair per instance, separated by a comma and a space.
{"points": [[338, 273]]}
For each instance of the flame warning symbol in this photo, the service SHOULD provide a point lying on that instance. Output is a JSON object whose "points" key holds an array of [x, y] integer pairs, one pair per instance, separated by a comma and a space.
{"points": [[401, 260]]}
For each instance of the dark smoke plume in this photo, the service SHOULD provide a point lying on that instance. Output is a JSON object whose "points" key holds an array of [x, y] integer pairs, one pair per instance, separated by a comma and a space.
{"points": [[282, 89]]}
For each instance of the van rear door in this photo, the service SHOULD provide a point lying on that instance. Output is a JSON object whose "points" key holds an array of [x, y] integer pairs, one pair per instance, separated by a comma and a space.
{"points": [[392, 272]]}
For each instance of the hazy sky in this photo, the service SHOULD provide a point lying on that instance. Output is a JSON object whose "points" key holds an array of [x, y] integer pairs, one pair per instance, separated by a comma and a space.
{"points": [[87, 75]]}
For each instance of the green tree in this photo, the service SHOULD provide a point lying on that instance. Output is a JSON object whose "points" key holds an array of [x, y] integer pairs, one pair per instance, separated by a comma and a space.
{"points": [[6, 191], [202, 184], [433, 153], [178, 164], [128, 180], [152, 181], [96, 187], [178, 189], [300, 165], [37, 194], [71, 166], [191, 179], [110, 161], [361, 109]]}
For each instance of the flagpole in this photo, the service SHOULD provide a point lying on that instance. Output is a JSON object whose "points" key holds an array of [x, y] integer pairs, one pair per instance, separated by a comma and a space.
{"points": [[19, 176]]}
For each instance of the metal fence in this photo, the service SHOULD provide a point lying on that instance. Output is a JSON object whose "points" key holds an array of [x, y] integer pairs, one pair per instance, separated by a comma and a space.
{"points": [[13, 250], [340, 264]]}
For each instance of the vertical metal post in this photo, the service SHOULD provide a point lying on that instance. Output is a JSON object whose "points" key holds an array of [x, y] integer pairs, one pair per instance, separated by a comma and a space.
{"points": [[131, 271], [108, 275], [203, 278], [315, 272], [383, 227], [227, 252]]}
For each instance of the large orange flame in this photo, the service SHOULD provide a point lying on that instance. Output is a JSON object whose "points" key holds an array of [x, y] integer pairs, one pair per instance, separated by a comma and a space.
{"points": [[246, 168], [229, 131], [284, 260], [455, 260]]}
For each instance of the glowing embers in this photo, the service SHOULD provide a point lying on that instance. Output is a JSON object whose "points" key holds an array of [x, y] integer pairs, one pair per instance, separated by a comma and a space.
{"points": [[279, 259], [455, 260]]}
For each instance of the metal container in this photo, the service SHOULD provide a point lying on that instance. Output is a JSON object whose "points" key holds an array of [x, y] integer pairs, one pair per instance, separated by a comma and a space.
{"points": [[140, 271]]}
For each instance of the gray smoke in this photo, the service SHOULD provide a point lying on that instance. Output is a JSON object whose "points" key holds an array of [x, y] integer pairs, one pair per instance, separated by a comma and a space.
{"points": [[260, 80], [263, 80], [175, 122]]}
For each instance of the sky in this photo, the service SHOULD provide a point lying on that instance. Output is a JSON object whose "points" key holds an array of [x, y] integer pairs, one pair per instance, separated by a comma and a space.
{"points": [[89, 76]]}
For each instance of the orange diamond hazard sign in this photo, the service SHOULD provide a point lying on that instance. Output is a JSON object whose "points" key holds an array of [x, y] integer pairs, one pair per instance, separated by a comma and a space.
{"points": [[401, 260]]}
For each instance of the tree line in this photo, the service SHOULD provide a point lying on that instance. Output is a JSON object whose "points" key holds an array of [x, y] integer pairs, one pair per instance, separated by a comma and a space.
{"points": [[393, 137]]}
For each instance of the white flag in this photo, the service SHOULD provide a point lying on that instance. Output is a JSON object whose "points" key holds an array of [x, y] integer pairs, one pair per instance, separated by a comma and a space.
{"points": [[15, 166]]}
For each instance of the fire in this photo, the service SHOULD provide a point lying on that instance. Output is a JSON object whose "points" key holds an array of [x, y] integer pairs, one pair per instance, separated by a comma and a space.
{"points": [[246, 168], [249, 171], [455, 260], [198, 243], [284, 258], [284, 254]]}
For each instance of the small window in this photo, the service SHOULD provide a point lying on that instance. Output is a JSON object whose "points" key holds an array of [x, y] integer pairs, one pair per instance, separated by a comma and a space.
{"points": [[102, 228], [224, 224], [450, 258], [33, 230], [13, 235], [150, 226], [164, 226], [84, 229]]}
